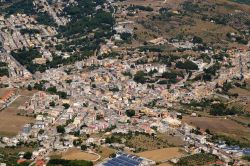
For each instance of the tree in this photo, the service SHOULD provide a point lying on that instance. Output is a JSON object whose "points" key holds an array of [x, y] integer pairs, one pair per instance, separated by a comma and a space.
{"points": [[41, 131], [169, 75], [207, 131], [197, 40], [99, 117], [60, 129], [62, 95], [52, 104], [126, 36], [77, 142], [112, 155], [188, 65], [29, 87], [179, 116], [83, 147], [130, 112], [27, 155], [66, 105], [52, 90], [139, 77]]}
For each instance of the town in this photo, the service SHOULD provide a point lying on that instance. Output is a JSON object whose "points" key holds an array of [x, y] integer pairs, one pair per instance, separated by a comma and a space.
{"points": [[112, 92]]}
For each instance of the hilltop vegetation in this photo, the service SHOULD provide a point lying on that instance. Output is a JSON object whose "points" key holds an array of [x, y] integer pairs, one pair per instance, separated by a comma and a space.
{"points": [[242, 1], [210, 21]]}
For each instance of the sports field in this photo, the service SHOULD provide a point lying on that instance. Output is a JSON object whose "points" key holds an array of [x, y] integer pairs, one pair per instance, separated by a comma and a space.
{"points": [[10, 122]]}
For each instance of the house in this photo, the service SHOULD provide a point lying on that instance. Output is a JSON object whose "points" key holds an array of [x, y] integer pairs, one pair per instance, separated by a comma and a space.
{"points": [[7, 96], [201, 139], [26, 129], [40, 163]]}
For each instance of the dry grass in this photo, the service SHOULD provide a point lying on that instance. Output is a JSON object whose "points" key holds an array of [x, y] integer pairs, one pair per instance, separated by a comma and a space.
{"points": [[240, 91], [105, 152], [11, 124], [76, 154], [220, 126], [162, 154], [172, 140]]}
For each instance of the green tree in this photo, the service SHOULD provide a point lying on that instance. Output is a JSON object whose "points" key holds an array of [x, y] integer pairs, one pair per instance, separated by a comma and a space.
{"points": [[52, 104], [197, 40], [60, 129], [52, 90], [27, 155], [83, 147], [29, 87], [130, 112], [66, 105], [139, 77], [188, 65]]}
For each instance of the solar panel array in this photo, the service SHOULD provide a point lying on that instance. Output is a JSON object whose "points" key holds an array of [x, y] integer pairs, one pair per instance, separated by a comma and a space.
{"points": [[246, 151], [124, 160]]}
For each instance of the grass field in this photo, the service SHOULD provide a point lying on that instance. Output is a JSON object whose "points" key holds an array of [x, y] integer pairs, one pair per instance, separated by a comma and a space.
{"points": [[162, 154], [10, 122], [220, 126]]}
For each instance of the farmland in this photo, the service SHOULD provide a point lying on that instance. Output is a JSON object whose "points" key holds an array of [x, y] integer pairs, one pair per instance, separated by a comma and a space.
{"points": [[244, 95], [197, 159]]}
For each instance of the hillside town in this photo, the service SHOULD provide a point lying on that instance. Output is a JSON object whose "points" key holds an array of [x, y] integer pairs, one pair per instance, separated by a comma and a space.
{"points": [[127, 87]]}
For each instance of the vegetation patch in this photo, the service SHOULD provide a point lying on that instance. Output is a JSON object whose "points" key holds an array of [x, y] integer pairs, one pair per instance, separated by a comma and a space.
{"points": [[197, 159]]}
